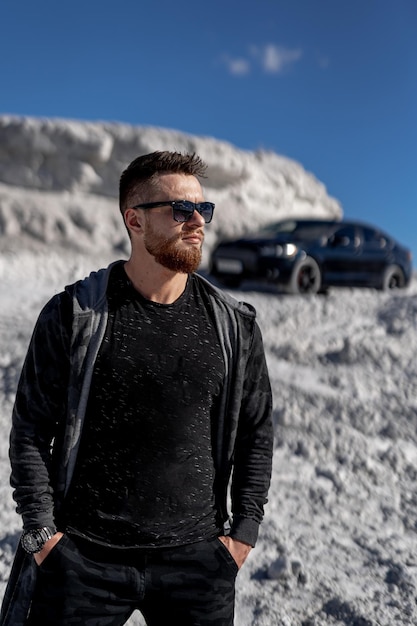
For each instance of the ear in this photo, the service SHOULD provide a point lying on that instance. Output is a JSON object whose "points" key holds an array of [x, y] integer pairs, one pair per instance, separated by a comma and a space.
{"points": [[133, 220]]}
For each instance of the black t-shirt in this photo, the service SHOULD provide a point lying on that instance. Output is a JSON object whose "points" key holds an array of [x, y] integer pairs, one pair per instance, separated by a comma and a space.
{"points": [[145, 473]]}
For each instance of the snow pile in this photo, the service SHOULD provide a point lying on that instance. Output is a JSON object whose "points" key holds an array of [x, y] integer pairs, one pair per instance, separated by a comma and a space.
{"points": [[59, 183], [338, 542]]}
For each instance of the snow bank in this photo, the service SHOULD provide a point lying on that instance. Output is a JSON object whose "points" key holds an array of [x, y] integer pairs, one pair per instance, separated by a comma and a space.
{"points": [[59, 182]]}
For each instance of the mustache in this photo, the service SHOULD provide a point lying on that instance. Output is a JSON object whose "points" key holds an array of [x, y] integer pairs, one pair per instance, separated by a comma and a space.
{"points": [[195, 230]]}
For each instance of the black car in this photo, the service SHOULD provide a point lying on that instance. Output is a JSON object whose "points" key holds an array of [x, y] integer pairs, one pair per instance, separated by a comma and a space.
{"points": [[308, 256]]}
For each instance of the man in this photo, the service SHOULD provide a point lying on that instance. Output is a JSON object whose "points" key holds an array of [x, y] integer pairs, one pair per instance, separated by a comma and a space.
{"points": [[144, 393]]}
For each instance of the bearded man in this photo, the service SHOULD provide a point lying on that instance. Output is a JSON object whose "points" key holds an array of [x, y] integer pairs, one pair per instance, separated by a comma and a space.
{"points": [[143, 399]]}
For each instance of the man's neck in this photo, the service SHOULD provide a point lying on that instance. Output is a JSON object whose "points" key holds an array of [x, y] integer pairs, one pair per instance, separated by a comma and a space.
{"points": [[162, 286]]}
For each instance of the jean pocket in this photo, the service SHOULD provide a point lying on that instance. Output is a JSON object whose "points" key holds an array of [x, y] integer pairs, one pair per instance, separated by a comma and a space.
{"points": [[55, 549], [226, 555]]}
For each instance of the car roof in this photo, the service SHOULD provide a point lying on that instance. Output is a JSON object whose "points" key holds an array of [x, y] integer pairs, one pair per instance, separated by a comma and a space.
{"points": [[324, 222]]}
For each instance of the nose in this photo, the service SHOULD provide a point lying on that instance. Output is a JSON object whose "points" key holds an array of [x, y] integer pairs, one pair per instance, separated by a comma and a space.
{"points": [[196, 220]]}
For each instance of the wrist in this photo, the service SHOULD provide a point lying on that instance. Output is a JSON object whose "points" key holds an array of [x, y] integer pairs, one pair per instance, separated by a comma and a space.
{"points": [[33, 540]]}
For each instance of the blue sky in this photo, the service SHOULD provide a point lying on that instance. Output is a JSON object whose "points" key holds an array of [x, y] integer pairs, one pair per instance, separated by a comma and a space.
{"points": [[329, 83]]}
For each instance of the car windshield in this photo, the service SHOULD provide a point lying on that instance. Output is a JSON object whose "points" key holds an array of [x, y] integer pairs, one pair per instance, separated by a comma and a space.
{"points": [[298, 230]]}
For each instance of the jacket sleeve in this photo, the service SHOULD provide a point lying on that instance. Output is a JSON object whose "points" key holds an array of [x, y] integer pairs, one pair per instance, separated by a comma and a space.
{"points": [[39, 408], [253, 448]]}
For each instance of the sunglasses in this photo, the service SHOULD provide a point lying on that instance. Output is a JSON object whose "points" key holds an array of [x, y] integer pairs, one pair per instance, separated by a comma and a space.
{"points": [[182, 210]]}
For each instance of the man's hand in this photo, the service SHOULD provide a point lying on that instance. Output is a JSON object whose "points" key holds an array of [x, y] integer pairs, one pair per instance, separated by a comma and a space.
{"points": [[40, 556], [238, 549]]}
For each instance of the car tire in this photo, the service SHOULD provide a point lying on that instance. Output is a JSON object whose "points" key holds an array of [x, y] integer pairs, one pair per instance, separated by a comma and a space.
{"points": [[306, 277], [393, 278]]}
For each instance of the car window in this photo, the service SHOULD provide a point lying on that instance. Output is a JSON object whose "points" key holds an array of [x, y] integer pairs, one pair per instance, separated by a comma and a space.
{"points": [[299, 230], [374, 238], [279, 227], [310, 232], [344, 237]]}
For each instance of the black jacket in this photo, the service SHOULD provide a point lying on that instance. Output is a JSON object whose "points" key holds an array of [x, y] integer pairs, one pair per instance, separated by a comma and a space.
{"points": [[52, 397]]}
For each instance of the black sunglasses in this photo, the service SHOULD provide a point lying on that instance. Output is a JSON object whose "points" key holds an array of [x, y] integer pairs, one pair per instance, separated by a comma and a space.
{"points": [[182, 210]]}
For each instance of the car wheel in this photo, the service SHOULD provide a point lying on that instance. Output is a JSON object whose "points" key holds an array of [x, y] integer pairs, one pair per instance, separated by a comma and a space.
{"points": [[306, 277], [393, 278]]}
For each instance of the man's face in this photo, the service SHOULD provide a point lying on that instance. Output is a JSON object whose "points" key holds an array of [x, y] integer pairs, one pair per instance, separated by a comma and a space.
{"points": [[176, 246]]}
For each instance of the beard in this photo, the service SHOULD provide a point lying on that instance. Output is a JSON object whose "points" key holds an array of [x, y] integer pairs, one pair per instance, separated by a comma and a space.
{"points": [[168, 254]]}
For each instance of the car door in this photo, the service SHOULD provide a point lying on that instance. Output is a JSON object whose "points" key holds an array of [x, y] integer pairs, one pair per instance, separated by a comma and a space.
{"points": [[373, 255], [342, 257]]}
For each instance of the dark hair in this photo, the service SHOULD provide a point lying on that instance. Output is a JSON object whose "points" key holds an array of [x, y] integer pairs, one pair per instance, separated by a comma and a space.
{"points": [[144, 171]]}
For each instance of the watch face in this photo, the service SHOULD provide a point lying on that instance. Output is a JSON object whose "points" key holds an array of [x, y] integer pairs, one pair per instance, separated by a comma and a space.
{"points": [[34, 540], [30, 542]]}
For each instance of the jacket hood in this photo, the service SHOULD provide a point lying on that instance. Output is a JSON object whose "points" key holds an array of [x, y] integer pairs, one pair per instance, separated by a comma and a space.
{"points": [[89, 292]]}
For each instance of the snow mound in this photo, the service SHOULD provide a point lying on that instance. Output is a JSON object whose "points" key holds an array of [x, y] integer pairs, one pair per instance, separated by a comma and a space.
{"points": [[59, 183]]}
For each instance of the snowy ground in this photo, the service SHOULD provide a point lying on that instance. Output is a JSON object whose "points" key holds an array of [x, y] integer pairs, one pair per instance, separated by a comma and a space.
{"points": [[338, 545]]}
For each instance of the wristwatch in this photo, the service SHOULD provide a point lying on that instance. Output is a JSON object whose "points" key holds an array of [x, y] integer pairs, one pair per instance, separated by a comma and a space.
{"points": [[33, 540]]}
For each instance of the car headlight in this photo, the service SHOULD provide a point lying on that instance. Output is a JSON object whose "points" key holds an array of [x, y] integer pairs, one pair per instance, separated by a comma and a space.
{"points": [[283, 250], [289, 249]]}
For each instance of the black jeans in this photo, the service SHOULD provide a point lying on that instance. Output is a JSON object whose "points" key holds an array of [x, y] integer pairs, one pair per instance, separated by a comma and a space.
{"points": [[192, 585]]}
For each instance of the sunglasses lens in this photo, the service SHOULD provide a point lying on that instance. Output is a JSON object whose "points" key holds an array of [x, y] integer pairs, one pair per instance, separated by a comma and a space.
{"points": [[182, 211], [206, 211]]}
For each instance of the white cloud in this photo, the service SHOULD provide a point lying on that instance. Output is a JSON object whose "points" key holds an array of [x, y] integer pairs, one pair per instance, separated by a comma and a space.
{"points": [[238, 67], [276, 59], [272, 59]]}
